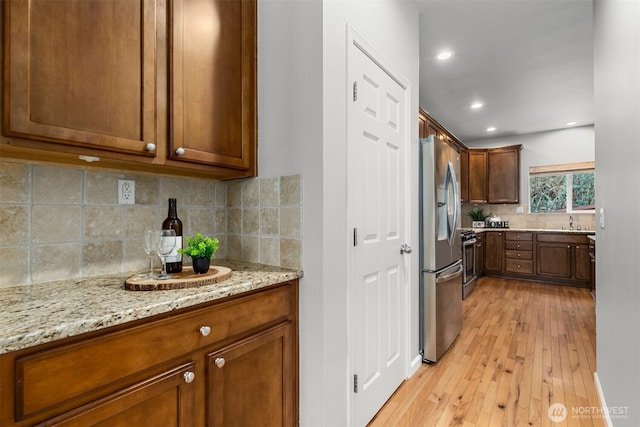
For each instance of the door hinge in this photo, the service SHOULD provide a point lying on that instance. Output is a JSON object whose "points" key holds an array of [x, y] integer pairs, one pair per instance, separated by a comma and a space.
{"points": [[355, 383], [355, 91], [355, 236]]}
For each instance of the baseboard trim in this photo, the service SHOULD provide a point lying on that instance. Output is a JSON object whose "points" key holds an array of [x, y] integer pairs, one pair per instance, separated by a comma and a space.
{"points": [[415, 365], [603, 403]]}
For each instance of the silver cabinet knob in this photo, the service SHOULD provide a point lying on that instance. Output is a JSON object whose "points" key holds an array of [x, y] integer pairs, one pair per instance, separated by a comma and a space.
{"points": [[189, 377], [150, 147], [220, 362], [205, 330], [405, 249], [180, 151]]}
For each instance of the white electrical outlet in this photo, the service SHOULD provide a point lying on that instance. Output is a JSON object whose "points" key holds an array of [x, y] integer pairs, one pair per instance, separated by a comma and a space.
{"points": [[126, 192]]}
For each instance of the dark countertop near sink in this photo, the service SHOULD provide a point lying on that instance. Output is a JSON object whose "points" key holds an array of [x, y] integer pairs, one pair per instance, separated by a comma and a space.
{"points": [[41, 313]]}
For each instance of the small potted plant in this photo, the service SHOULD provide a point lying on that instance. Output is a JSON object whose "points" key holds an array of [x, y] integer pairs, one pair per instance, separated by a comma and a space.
{"points": [[200, 249], [478, 217]]}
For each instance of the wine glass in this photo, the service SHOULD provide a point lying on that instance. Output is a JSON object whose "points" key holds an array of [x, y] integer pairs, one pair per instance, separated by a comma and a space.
{"points": [[151, 245], [167, 245]]}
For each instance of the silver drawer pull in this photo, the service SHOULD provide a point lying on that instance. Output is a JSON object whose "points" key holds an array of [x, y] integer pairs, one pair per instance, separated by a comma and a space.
{"points": [[180, 151], [205, 330], [150, 147], [189, 377], [220, 362]]}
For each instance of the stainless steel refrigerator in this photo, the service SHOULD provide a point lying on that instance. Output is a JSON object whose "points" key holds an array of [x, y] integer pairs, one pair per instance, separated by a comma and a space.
{"points": [[440, 248]]}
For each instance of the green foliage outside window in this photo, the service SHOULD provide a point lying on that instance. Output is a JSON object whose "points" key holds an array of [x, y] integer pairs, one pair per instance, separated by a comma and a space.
{"points": [[584, 191], [548, 193], [559, 193]]}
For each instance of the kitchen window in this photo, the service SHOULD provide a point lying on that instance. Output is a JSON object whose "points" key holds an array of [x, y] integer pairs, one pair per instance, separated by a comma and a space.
{"points": [[562, 188]]}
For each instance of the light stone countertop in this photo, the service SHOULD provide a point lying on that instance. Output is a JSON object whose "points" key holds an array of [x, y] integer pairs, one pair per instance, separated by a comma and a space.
{"points": [[538, 230], [41, 313]]}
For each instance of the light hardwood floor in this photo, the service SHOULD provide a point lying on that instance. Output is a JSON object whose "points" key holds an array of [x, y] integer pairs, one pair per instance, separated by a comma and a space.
{"points": [[523, 347]]}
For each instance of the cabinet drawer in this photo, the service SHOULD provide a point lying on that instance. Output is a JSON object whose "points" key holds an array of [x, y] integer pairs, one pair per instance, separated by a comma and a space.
{"points": [[526, 255], [562, 238], [93, 367], [515, 235], [519, 266], [518, 245]]}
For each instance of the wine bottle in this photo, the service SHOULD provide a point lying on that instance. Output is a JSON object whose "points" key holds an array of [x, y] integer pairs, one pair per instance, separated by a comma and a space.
{"points": [[174, 259]]}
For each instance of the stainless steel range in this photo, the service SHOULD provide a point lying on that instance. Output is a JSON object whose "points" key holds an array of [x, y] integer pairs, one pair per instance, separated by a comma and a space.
{"points": [[468, 262]]}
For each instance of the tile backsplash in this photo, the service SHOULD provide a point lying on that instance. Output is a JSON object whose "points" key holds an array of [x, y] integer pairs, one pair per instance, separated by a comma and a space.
{"points": [[62, 222], [528, 220]]}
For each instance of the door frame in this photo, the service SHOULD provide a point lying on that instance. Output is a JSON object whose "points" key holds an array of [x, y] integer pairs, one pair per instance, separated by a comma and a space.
{"points": [[355, 39]]}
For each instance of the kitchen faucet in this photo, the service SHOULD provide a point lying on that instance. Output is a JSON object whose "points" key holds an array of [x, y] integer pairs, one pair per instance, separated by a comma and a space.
{"points": [[570, 222]]}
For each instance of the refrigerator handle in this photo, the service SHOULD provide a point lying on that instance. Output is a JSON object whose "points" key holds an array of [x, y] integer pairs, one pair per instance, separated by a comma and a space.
{"points": [[450, 276], [456, 201]]}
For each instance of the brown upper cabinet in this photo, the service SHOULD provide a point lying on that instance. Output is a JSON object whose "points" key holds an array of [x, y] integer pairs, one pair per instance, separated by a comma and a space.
{"points": [[477, 176], [494, 175], [504, 174], [71, 81], [213, 83], [166, 87]]}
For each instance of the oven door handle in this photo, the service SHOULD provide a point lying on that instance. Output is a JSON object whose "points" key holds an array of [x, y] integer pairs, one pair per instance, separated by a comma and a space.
{"points": [[469, 242]]}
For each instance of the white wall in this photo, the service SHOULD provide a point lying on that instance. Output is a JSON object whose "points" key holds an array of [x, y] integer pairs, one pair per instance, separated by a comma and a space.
{"points": [[290, 142], [617, 125], [302, 128], [556, 147]]}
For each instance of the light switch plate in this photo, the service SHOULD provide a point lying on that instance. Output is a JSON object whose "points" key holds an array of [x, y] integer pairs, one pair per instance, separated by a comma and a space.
{"points": [[601, 217]]}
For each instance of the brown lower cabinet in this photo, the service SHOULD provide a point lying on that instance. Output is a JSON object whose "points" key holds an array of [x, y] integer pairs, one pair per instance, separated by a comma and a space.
{"points": [[232, 362], [494, 252], [564, 257], [561, 258], [519, 253]]}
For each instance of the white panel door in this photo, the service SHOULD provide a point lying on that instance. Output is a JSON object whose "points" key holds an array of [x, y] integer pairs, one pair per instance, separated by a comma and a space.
{"points": [[377, 208]]}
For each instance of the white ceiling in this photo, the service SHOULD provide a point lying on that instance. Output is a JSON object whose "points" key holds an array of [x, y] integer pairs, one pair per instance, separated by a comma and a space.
{"points": [[529, 61]]}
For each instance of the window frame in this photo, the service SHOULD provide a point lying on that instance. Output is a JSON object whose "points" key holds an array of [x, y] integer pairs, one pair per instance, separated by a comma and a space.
{"points": [[568, 169]]}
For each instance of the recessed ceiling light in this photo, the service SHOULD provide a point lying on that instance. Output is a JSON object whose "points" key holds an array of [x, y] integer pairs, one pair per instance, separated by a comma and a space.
{"points": [[570, 123], [477, 105], [491, 129], [444, 55]]}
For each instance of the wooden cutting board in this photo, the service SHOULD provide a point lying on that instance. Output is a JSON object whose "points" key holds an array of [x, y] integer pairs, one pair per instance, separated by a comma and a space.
{"points": [[185, 279]]}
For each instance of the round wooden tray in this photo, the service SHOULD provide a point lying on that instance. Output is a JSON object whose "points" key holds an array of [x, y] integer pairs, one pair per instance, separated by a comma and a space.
{"points": [[185, 279]]}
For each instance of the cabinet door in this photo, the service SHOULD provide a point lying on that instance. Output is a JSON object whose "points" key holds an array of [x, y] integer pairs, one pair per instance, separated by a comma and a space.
{"points": [[213, 83], [251, 382], [494, 252], [554, 259], [504, 175], [477, 176], [165, 400], [582, 270], [81, 73]]}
